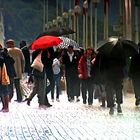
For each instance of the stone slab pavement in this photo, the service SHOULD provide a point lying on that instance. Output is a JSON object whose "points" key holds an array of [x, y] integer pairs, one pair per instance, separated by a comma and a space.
{"points": [[70, 121]]}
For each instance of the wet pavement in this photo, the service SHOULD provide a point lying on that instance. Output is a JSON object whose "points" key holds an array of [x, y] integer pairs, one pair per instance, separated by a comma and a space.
{"points": [[70, 121]]}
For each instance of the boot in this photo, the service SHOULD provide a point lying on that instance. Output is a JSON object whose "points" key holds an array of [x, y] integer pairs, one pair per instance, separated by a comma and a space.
{"points": [[103, 102], [28, 101], [18, 89], [111, 111], [119, 110], [46, 102], [6, 104]]}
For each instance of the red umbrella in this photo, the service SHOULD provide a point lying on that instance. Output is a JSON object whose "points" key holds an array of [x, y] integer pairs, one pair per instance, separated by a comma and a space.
{"points": [[45, 42]]}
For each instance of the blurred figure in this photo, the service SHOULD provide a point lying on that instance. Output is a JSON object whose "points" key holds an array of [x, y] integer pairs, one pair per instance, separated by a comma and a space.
{"points": [[4, 82], [84, 71], [99, 79], [26, 53], [57, 75], [9, 62], [47, 59], [134, 74], [19, 66], [114, 75]]}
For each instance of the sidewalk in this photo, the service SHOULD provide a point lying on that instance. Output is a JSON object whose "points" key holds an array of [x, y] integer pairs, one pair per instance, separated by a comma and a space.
{"points": [[70, 121]]}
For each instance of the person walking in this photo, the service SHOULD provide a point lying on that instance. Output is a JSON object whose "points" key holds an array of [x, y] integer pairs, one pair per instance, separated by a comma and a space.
{"points": [[84, 72], [70, 61], [9, 62], [26, 53], [47, 60], [39, 83], [114, 75], [4, 82], [134, 74], [57, 75], [19, 66]]}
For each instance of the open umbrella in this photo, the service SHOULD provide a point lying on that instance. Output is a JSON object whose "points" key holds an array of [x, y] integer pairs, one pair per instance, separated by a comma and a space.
{"points": [[45, 42], [118, 47], [57, 31], [67, 41]]}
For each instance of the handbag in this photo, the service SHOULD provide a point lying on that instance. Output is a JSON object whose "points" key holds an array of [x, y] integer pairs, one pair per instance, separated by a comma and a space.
{"points": [[4, 76], [37, 63], [63, 83]]}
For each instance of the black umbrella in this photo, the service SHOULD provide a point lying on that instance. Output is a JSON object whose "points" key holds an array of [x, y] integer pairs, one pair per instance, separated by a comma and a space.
{"points": [[57, 31], [118, 47]]}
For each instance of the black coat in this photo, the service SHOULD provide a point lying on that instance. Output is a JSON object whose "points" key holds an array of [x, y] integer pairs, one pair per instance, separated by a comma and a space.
{"points": [[134, 69], [26, 53], [71, 68]]}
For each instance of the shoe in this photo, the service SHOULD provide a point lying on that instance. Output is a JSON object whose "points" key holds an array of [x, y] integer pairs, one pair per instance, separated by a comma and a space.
{"points": [[137, 102], [28, 102], [69, 99], [77, 100], [5, 110], [26, 99], [89, 103], [57, 99], [84, 102], [119, 110], [48, 105], [103, 102], [42, 107], [72, 100], [102, 105], [111, 111], [19, 101]]}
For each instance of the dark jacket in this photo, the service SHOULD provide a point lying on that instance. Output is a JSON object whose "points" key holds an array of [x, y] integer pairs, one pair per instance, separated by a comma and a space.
{"points": [[26, 53], [134, 69], [9, 62], [71, 68]]}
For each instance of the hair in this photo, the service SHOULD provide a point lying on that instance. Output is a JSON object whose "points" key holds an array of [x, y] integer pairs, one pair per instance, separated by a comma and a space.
{"points": [[23, 43], [70, 46], [10, 40]]}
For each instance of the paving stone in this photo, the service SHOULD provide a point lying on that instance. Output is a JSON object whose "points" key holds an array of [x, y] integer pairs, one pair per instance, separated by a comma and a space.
{"points": [[70, 121]]}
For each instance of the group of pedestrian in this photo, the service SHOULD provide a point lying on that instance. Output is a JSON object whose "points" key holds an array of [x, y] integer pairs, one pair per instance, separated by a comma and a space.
{"points": [[84, 72]]}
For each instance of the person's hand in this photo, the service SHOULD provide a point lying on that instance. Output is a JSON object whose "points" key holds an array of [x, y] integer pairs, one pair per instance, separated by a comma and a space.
{"points": [[80, 76], [93, 60]]}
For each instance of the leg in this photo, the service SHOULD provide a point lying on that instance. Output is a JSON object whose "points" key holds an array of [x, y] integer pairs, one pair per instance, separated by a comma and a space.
{"points": [[84, 91], [34, 92], [18, 89], [90, 91]]}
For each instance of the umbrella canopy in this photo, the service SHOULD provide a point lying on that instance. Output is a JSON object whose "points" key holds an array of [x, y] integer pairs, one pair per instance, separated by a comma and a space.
{"points": [[67, 41], [45, 42], [57, 31], [118, 47]]}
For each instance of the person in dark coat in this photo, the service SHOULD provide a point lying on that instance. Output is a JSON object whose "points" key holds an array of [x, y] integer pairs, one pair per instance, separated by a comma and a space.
{"points": [[99, 79], [70, 60], [47, 59], [26, 53], [114, 75], [39, 78], [134, 74]]}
